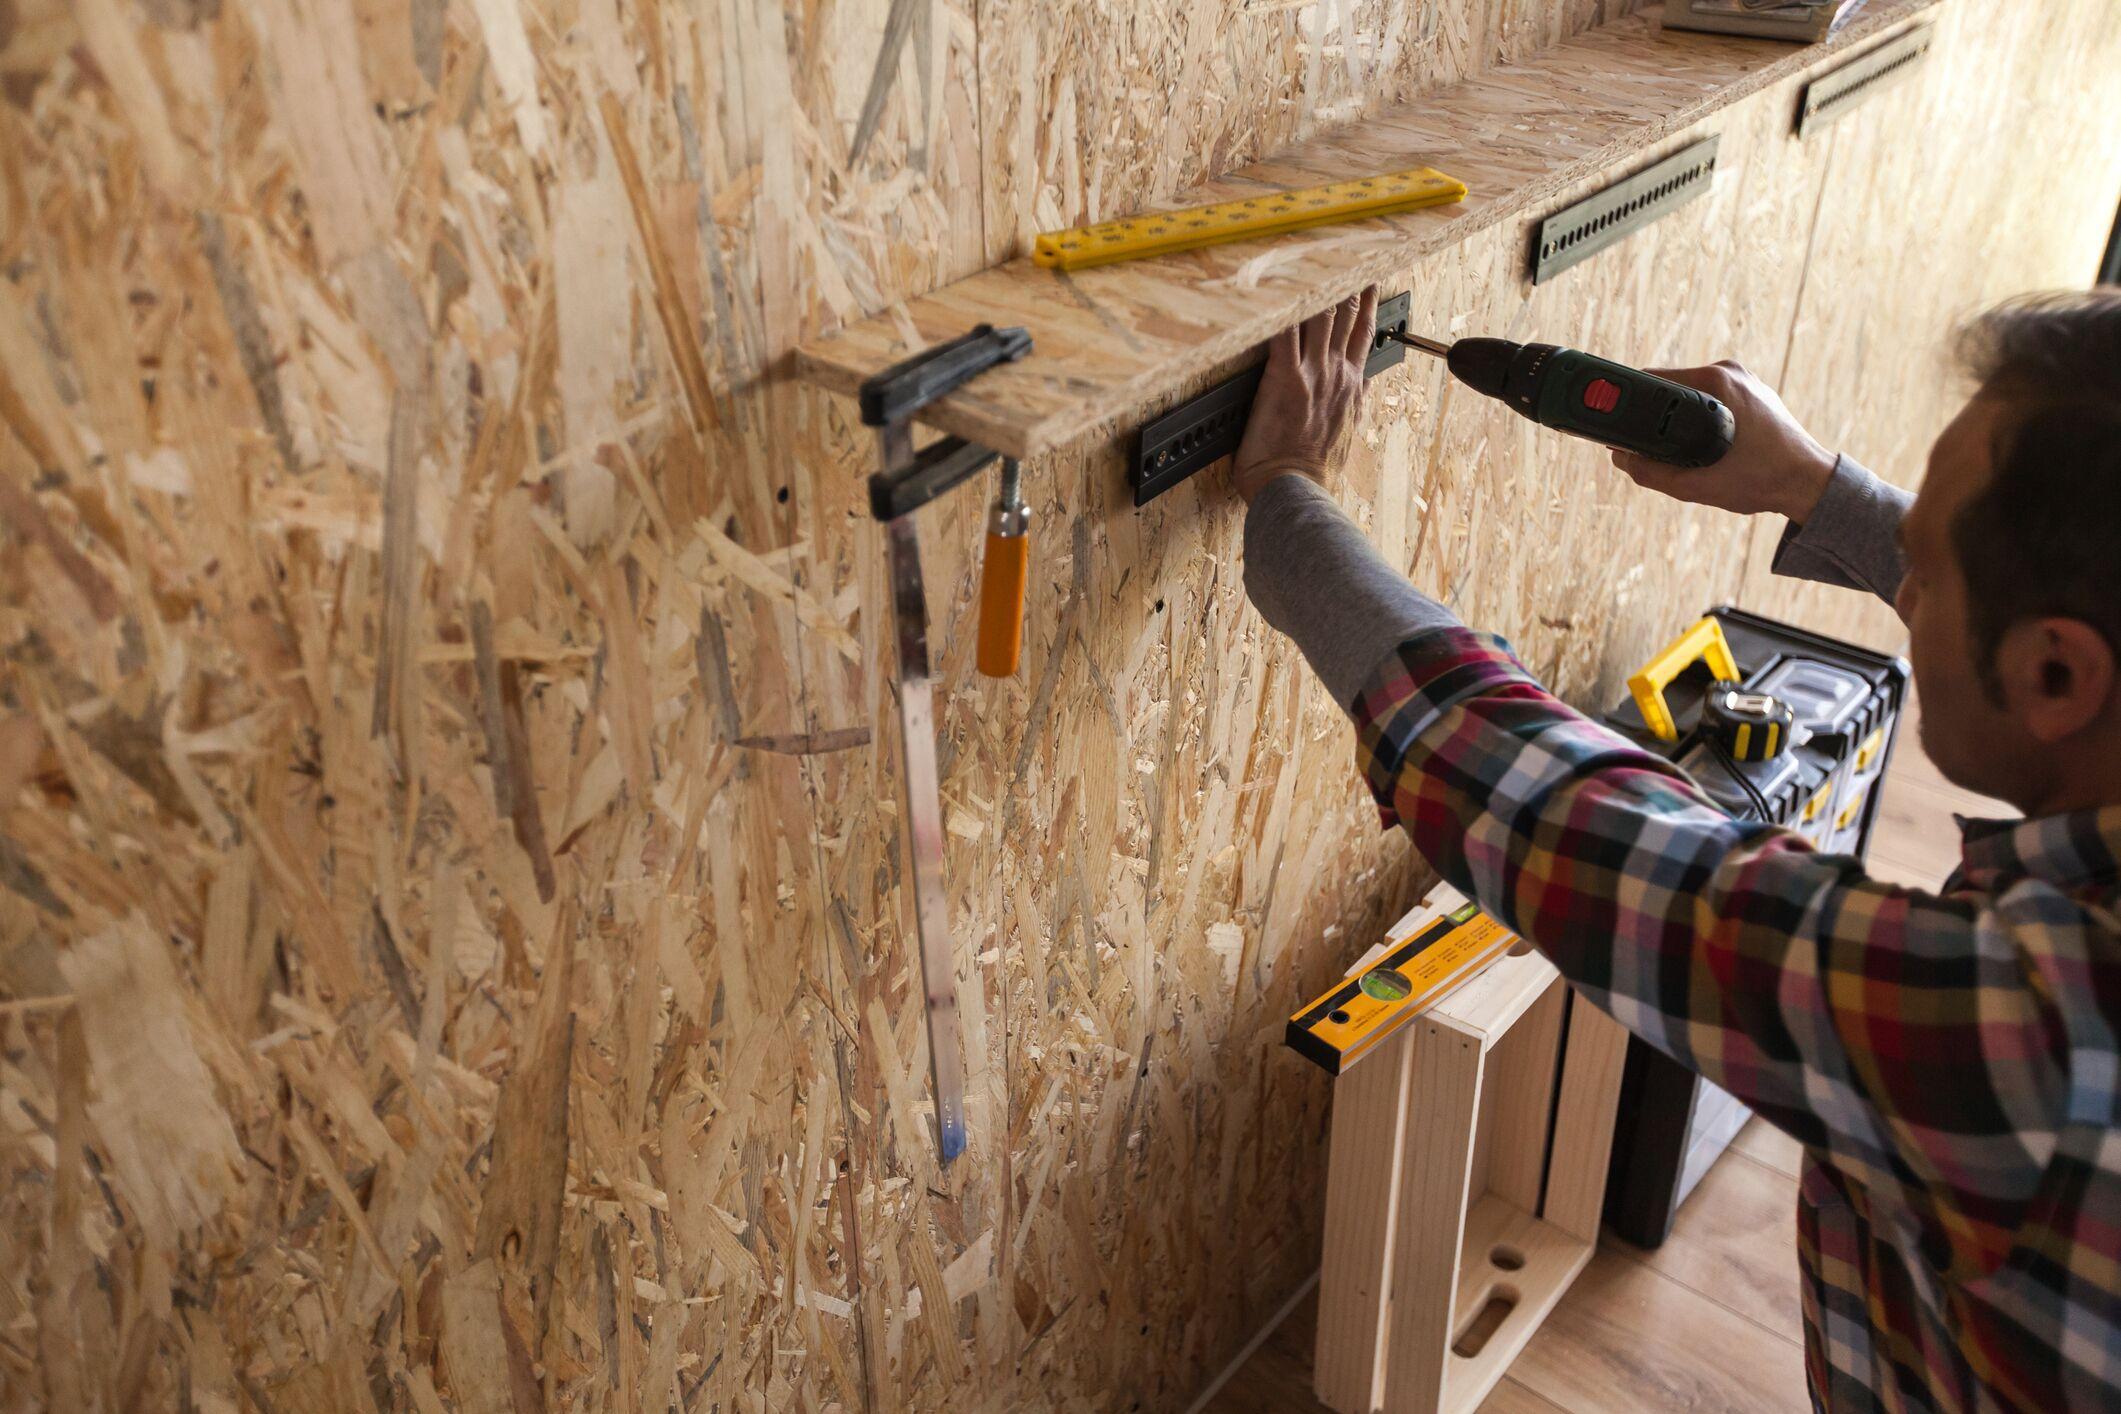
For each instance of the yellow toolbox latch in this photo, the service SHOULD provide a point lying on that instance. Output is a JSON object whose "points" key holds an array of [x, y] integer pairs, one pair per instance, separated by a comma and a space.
{"points": [[1704, 642]]}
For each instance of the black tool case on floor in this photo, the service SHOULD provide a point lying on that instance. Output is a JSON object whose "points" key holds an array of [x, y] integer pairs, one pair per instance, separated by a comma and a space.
{"points": [[1672, 1124]]}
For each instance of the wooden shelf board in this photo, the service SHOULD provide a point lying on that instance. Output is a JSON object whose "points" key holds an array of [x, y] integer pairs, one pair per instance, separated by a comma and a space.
{"points": [[1113, 342]]}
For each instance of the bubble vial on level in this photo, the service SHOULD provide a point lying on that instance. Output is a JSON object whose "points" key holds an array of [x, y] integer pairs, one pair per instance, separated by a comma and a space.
{"points": [[1386, 985]]}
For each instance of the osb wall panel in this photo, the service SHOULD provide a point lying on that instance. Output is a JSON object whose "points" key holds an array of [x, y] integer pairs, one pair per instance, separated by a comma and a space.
{"points": [[1114, 342], [1903, 250], [1092, 110], [451, 950]]}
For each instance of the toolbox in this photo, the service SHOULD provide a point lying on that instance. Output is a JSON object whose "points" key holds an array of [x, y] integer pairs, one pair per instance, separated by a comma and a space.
{"points": [[1847, 703]]}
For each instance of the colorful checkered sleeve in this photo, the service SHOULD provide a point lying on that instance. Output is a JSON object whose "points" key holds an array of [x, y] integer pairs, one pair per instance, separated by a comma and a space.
{"points": [[1895, 1033]]}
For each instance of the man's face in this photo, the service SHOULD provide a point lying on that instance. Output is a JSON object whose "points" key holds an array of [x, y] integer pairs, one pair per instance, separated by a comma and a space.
{"points": [[1973, 740]]}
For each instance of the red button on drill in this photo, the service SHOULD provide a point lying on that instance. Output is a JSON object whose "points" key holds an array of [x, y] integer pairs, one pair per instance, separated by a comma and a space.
{"points": [[1601, 396]]}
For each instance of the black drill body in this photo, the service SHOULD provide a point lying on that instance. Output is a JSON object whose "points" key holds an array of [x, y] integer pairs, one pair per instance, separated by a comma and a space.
{"points": [[1587, 396]]}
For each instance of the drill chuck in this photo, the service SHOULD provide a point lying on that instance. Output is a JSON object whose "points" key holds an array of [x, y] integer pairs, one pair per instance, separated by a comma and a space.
{"points": [[1484, 365]]}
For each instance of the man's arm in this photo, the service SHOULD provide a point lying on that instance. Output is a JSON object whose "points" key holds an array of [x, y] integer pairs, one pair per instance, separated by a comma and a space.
{"points": [[1844, 523], [1891, 1030], [1295, 532], [1897, 1033], [1851, 537], [1313, 574]]}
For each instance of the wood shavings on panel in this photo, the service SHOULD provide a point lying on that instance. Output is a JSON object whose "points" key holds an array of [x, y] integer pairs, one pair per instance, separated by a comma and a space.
{"points": [[452, 950]]}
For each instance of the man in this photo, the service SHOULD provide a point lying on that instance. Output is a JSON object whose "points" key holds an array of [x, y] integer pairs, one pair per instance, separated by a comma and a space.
{"points": [[1948, 1060]]}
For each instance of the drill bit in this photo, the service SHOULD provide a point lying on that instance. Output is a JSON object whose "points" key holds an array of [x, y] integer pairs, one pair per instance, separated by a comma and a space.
{"points": [[1416, 341]]}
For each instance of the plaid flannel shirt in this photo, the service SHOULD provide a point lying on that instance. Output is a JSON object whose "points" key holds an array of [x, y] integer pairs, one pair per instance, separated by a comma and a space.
{"points": [[1948, 1060]]}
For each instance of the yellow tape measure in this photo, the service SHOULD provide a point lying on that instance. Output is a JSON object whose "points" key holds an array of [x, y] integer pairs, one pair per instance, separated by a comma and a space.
{"points": [[1443, 954], [1169, 231]]}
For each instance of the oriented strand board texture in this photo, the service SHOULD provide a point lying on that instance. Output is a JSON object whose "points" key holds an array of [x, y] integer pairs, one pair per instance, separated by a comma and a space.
{"points": [[1903, 246], [1094, 110], [451, 946], [1112, 342]]}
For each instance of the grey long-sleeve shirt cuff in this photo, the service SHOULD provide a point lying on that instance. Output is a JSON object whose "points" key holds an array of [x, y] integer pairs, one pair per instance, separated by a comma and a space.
{"points": [[1852, 537], [1316, 577]]}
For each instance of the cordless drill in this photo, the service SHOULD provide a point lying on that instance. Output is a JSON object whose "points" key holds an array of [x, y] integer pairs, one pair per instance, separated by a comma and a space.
{"points": [[1591, 397]]}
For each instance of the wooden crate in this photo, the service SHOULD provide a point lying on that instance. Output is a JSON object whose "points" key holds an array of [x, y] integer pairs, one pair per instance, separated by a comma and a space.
{"points": [[1465, 1176]]}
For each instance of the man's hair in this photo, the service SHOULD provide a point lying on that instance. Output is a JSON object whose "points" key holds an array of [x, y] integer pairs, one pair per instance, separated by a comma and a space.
{"points": [[2043, 537]]}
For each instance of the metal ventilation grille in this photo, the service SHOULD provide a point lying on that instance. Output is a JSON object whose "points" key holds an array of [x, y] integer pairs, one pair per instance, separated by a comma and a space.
{"points": [[1582, 230], [1836, 93]]}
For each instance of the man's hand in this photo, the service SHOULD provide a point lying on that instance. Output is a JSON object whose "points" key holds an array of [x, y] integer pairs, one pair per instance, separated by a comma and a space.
{"points": [[1312, 385], [1773, 464]]}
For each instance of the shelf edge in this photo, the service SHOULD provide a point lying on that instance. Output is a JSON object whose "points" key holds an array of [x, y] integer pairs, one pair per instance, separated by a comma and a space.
{"points": [[986, 415]]}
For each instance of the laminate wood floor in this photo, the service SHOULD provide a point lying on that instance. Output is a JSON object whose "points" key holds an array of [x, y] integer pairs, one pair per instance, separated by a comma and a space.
{"points": [[1710, 1320]]}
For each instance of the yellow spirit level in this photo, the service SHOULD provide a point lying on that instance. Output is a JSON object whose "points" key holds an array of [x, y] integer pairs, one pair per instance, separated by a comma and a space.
{"points": [[1447, 947]]}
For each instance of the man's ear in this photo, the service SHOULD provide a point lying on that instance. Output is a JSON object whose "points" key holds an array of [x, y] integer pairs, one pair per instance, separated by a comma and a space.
{"points": [[2057, 674]]}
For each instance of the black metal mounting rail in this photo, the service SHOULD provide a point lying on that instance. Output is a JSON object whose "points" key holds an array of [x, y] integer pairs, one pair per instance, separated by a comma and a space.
{"points": [[1209, 427], [1830, 95], [1577, 232]]}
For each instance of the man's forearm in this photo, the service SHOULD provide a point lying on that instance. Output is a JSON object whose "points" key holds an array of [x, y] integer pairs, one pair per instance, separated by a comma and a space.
{"points": [[1316, 577], [1852, 536]]}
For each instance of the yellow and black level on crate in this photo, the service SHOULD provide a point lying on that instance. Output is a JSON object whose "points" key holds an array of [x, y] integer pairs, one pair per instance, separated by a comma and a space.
{"points": [[1411, 976], [1164, 232]]}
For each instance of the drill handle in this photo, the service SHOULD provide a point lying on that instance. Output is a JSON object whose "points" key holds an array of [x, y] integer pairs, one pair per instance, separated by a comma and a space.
{"points": [[1627, 408]]}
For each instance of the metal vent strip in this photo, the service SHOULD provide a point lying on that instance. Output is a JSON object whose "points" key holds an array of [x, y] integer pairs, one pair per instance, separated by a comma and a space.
{"points": [[1578, 232], [1830, 95]]}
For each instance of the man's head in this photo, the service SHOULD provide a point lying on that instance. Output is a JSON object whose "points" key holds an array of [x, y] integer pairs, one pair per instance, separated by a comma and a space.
{"points": [[2013, 592]]}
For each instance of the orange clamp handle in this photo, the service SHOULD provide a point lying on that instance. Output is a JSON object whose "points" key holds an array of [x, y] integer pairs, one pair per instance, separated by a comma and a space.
{"points": [[1003, 576]]}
